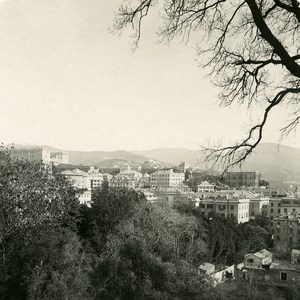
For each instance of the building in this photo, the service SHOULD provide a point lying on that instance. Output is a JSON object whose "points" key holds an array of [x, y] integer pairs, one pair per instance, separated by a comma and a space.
{"points": [[173, 196], [144, 181], [166, 178], [32, 154], [121, 181], [261, 267], [259, 204], [95, 177], [131, 174], [280, 206], [182, 167], [85, 198], [218, 275], [78, 178], [150, 196], [206, 187], [286, 229], [228, 206], [242, 179], [58, 158], [260, 259], [40, 154]]}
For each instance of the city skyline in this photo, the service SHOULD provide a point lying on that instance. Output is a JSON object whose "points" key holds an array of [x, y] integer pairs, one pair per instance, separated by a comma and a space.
{"points": [[68, 82]]}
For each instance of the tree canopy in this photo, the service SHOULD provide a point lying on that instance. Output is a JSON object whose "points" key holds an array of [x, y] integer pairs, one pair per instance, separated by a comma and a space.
{"points": [[251, 51]]}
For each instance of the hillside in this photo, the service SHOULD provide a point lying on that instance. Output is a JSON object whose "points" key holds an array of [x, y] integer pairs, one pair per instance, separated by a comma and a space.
{"points": [[276, 163], [94, 157], [173, 155]]}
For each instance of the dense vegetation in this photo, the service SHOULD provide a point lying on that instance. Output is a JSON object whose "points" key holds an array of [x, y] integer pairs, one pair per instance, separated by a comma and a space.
{"points": [[122, 247]]}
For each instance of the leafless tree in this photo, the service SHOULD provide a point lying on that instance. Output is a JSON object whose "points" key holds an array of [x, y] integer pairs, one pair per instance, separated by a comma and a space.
{"points": [[244, 44]]}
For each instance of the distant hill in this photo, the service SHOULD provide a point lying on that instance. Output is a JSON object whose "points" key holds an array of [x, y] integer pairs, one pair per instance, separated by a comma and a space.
{"points": [[94, 157], [173, 155], [276, 163]]}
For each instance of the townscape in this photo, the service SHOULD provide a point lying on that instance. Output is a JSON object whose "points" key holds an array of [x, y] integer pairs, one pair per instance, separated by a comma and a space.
{"points": [[269, 267], [149, 150]]}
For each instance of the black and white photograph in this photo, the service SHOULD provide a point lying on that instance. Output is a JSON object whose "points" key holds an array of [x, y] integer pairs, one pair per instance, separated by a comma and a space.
{"points": [[149, 150]]}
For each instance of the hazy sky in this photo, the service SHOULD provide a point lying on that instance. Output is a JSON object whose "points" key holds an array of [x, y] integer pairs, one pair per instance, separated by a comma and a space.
{"points": [[66, 81]]}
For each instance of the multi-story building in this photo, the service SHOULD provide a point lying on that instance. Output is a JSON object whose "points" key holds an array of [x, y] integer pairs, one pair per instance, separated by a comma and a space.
{"points": [[40, 154], [226, 206], [182, 167], [58, 158], [173, 196], [166, 178], [32, 154], [131, 174], [78, 178], [121, 181], [287, 230], [242, 179], [95, 177], [280, 206]]}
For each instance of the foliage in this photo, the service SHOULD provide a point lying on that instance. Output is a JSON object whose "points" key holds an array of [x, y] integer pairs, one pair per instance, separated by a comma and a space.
{"points": [[63, 272], [228, 241], [34, 199], [150, 256]]}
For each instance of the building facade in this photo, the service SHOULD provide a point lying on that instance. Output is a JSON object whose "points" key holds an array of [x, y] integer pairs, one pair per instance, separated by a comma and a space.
{"points": [[242, 179], [226, 206], [78, 178], [32, 154], [286, 230], [205, 187], [166, 178], [58, 158]]}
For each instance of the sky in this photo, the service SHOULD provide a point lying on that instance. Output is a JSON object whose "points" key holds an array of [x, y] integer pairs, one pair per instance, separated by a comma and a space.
{"points": [[68, 82]]}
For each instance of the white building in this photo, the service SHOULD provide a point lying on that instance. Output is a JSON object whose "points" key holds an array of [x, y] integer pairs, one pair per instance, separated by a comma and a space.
{"points": [[95, 177], [58, 158], [80, 180], [206, 187], [166, 178], [228, 206]]}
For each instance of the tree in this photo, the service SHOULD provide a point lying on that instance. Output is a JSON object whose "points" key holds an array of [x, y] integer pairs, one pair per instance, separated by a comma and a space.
{"points": [[63, 272], [244, 43], [148, 256], [34, 200]]}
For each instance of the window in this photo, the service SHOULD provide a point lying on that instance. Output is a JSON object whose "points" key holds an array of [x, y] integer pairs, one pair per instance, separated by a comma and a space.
{"points": [[279, 210], [231, 207], [272, 204], [250, 261], [285, 210], [210, 206], [283, 276]]}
